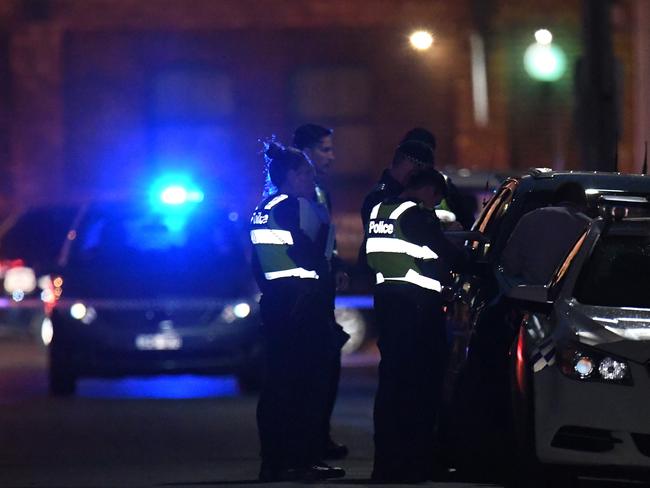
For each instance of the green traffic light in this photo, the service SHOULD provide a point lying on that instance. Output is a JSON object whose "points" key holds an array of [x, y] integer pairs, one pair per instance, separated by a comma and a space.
{"points": [[545, 62]]}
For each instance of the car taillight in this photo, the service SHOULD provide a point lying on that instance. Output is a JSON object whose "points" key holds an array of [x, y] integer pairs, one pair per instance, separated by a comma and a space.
{"points": [[20, 279], [7, 264]]}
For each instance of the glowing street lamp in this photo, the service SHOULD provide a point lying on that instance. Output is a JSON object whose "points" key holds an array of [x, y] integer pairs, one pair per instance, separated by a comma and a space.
{"points": [[421, 40], [543, 60], [543, 36]]}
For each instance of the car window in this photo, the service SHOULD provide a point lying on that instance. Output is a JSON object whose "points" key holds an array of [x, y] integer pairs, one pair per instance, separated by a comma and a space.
{"points": [[617, 274], [491, 216], [37, 235], [490, 219], [128, 252], [562, 269], [518, 205]]}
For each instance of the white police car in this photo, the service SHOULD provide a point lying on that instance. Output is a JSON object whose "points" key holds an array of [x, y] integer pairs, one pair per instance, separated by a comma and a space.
{"points": [[566, 365], [581, 361]]}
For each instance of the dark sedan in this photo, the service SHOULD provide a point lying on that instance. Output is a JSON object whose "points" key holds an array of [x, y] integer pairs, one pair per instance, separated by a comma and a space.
{"points": [[154, 289]]}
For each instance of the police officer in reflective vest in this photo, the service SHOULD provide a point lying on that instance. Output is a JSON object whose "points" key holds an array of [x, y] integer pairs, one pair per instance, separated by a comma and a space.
{"points": [[289, 261], [411, 258]]}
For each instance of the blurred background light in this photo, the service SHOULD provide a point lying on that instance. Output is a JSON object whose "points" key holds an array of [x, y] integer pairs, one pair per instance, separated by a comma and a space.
{"points": [[169, 387], [421, 40], [174, 189], [545, 62], [242, 310], [47, 332], [78, 311], [174, 195], [543, 36]]}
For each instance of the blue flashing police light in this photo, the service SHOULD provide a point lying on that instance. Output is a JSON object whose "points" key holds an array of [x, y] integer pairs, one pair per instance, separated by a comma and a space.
{"points": [[174, 196], [174, 191], [179, 195]]}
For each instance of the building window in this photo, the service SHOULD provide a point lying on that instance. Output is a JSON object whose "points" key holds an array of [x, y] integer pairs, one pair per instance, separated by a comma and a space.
{"points": [[191, 116], [331, 92], [338, 97], [192, 95]]}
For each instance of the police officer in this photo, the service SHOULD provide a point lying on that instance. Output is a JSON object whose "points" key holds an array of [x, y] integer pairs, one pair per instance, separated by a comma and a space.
{"points": [[453, 202], [288, 239], [409, 157], [317, 144], [411, 259]]}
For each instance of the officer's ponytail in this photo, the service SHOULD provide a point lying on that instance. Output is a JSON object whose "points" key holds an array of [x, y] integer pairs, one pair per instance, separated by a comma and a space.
{"points": [[279, 161]]}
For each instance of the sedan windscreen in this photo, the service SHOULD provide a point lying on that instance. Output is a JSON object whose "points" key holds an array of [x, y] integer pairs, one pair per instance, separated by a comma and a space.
{"points": [[138, 254], [37, 235], [617, 274]]}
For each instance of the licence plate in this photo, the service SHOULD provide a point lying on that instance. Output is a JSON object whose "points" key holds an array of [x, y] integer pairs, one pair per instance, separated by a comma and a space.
{"points": [[158, 342]]}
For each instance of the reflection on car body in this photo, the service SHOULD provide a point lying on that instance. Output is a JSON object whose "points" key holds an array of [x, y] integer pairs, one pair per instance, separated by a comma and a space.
{"points": [[565, 364], [147, 292], [598, 328]]}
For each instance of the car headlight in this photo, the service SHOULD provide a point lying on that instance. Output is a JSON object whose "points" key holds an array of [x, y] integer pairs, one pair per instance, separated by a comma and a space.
{"points": [[83, 313], [583, 363], [611, 369], [234, 311]]}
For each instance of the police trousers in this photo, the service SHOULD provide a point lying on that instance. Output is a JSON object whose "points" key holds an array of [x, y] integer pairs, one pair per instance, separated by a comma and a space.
{"points": [[293, 400], [413, 346]]}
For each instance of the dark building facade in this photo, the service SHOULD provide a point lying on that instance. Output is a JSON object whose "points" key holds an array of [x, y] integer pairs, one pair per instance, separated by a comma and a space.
{"points": [[98, 96]]}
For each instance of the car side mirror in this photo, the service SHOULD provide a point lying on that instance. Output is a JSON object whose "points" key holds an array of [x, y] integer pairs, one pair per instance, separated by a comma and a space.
{"points": [[530, 293]]}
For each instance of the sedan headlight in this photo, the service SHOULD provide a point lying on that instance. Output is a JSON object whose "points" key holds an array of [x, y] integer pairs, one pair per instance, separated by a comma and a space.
{"points": [[611, 369], [583, 363], [234, 311], [83, 313]]}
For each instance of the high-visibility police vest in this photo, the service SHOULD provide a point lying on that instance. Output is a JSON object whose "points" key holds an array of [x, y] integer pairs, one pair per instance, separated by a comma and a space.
{"points": [[330, 244], [272, 243], [389, 252]]}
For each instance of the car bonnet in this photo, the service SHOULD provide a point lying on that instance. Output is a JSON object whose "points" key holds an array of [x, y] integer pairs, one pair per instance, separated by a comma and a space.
{"points": [[622, 331]]}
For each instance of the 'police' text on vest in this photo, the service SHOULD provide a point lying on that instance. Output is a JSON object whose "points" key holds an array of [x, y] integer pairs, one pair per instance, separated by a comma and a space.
{"points": [[380, 227]]}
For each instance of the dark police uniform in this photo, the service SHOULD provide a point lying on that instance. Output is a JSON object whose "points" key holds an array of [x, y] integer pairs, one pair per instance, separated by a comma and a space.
{"points": [[289, 263], [389, 187], [411, 259], [330, 449]]}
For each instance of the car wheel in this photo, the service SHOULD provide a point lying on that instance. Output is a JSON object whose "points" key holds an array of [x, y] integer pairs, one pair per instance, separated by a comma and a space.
{"points": [[62, 380]]}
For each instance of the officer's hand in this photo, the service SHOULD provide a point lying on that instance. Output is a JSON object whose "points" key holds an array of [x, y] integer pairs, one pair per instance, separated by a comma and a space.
{"points": [[342, 280], [448, 294]]}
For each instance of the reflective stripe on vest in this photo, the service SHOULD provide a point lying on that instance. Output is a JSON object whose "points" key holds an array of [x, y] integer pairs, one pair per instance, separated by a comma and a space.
{"points": [[275, 201], [375, 211], [291, 273], [401, 209], [272, 244], [415, 278], [321, 196], [392, 244], [271, 236], [395, 213]]}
